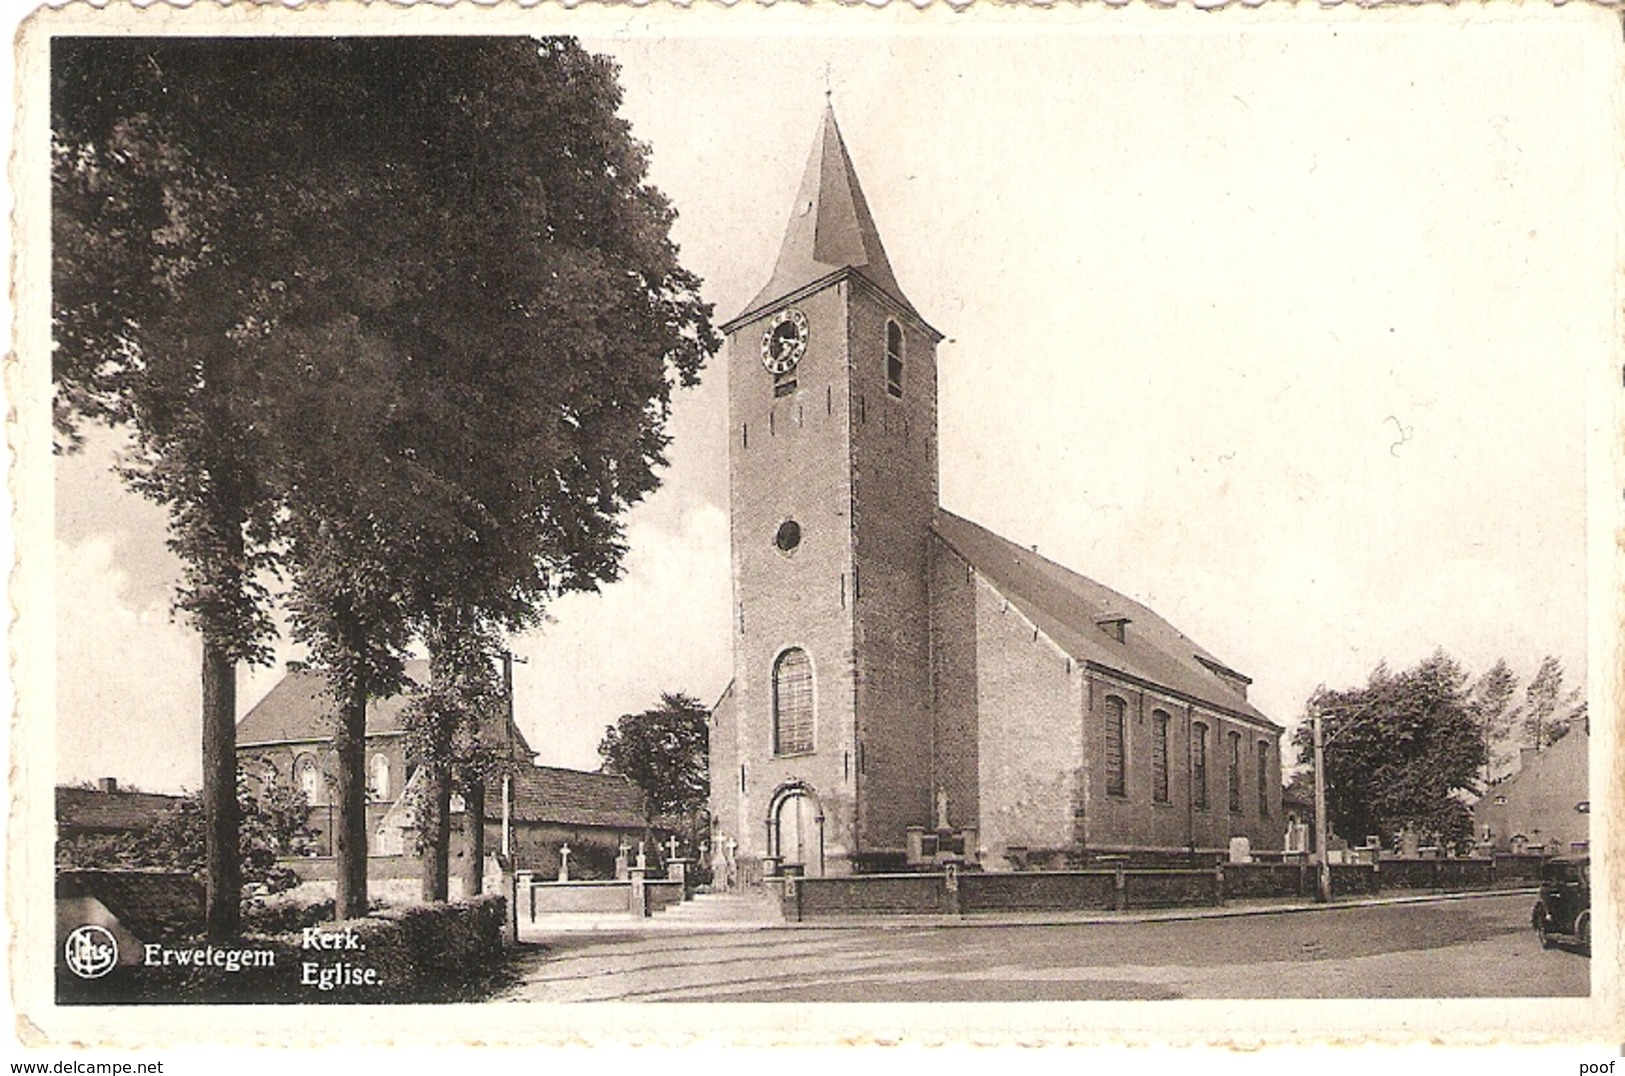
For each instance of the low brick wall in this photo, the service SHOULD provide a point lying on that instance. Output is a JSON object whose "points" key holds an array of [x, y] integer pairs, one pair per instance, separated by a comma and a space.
{"points": [[867, 894], [1036, 891], [1258, 881], [1513, 869], [1436, 873], [1170, 889], [661, 894], [1354, 879], [543, 898]]}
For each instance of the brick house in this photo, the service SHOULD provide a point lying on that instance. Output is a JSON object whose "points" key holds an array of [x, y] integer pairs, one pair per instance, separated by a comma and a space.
{"points": [[1545, 806], [908, 685], [288, 736]]}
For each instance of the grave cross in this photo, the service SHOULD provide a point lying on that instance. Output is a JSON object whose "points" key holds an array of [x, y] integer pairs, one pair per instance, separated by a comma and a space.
{"points": [[671, 847], [642, 863], [564, 862]]}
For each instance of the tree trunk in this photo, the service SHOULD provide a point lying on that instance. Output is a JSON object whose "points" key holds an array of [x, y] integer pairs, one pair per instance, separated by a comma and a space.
{"points": [[222, 857], [437, 834], [350, 743], [473, 837]]}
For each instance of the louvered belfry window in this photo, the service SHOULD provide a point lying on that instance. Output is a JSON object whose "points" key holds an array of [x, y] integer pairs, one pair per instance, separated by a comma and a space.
{"points": [[1116, 713], [792, 703]]}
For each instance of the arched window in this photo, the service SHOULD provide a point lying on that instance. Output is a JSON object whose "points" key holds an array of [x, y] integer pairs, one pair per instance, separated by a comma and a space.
{"points": [[380, 777], [1159, 756], [894, 359], [1199, 764], [1116, 768], [1235, 772], [1263, 779], [309, 777], [792, 703]]}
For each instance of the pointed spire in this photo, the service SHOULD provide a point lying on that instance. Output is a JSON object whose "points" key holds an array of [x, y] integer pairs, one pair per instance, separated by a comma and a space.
{"points": [[830, 226]]}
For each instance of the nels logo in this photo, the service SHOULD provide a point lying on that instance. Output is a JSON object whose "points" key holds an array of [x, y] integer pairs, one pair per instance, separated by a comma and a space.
{"points": [[91, 952]]}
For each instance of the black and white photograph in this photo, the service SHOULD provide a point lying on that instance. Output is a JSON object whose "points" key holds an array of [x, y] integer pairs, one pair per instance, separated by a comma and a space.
{"points": [[794, 514]]}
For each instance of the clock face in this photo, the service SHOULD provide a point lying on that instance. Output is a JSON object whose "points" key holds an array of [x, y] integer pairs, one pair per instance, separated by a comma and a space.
{"points": [[785, 341]]}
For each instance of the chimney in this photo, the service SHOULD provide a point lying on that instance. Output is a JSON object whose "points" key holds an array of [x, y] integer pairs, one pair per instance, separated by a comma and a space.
{"points": [[107, 784]]}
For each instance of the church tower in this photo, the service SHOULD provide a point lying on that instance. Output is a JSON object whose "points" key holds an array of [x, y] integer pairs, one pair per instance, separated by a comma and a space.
{"points": [[821, 749]]}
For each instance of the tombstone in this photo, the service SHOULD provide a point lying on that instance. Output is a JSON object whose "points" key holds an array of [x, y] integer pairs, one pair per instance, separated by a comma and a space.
{"points": [[564, 862], [1241, 850], [732, 880], [621, 864], [1409, 845], [643, 862]]}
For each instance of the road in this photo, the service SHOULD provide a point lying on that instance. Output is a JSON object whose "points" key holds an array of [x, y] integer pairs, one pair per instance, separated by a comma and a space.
{"points": [[1480, 947]]}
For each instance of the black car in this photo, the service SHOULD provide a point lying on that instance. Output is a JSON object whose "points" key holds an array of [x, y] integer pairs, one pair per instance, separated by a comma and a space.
{"points": [[1563, 912]]}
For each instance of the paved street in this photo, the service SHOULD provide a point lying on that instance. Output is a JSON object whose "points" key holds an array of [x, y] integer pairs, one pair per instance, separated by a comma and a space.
{"points": [[1479, 947]]}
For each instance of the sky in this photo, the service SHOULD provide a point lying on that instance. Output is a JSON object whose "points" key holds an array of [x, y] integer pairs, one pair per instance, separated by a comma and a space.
{"points": [[1285, 330]]}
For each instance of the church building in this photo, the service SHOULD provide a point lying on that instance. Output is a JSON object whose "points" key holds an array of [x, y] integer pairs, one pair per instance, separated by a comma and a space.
{"points": [[910, 688]]}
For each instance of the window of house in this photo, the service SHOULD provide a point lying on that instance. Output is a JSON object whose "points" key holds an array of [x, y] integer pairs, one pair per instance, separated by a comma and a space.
{"points": [[380, 777], [1235, 772], [792, 703], [1263, 779], [1116, 770], [1159, 756], [1199, 764], [894, 359]]}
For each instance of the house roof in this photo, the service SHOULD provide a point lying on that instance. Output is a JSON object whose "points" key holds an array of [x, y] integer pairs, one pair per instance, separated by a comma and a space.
{"points": [[572, 797], [1071, 609], [830, 229], [151, 904], [95, 811], [298, 710]]}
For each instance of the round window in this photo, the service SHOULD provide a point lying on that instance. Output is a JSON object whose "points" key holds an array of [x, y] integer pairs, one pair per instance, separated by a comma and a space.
{"points": [[789, 536]]}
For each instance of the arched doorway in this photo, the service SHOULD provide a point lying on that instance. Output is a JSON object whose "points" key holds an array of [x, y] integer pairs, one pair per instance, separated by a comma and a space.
{"points": [[798, 831]]}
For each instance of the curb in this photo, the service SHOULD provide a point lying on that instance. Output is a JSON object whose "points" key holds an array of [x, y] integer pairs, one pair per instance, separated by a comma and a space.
{"points": [[975, 920], [1160, 915]]}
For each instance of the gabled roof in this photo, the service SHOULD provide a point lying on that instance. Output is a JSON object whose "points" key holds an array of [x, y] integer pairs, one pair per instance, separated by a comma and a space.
{"points": [[90, 810], [150, 904], [1070, 608], [297, 710], [830, 229], [570, 797]]}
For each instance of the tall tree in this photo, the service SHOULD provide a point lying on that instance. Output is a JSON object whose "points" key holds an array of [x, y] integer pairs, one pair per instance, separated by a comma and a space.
{"points": [[1549, 712], [454, 306], [1492, 694], [511, 289], [665, 752], [146, 323], [1400, 752]]}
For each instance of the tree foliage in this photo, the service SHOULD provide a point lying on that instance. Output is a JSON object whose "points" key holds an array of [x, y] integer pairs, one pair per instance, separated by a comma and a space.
{"points": [[1548, 711], [273, 825], [1400, 752], [665, 752], [401, 316]]}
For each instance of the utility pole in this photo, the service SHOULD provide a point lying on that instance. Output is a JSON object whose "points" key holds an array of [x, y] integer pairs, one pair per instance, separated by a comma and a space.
{"points": [[1323, 872]]}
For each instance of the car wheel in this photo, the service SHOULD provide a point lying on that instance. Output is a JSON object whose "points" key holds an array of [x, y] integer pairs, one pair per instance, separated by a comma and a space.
{"points": [[1539, 922], [1582, 932]]}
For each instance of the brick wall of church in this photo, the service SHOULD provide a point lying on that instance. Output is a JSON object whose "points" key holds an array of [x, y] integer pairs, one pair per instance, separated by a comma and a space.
{"points": [[1030, 736], [1136, 819], [953, 665], [723, 755], [789, 461], [894, 495]]}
